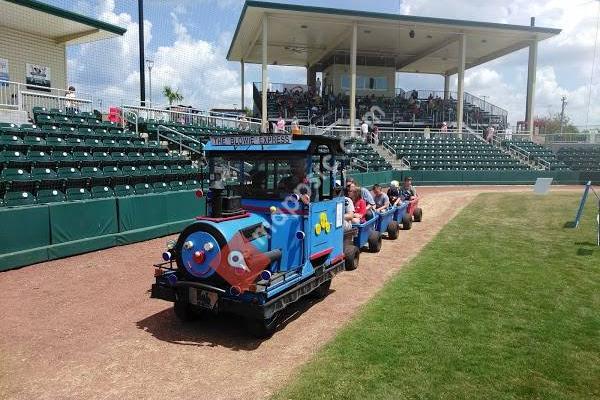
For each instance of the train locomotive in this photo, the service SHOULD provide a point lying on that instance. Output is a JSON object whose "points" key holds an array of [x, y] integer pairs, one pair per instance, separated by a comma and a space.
{"points": [[272, 232]]}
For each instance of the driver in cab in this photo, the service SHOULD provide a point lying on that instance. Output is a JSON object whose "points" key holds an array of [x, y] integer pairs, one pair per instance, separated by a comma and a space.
{"points": [[297, 182]]}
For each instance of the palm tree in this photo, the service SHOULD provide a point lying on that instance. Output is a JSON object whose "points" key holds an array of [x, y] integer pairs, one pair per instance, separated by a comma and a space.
{"points": [[172, 95]]}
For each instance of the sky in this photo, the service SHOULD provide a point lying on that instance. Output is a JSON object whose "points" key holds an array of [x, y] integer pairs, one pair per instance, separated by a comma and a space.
{"points": [[188, 41]]}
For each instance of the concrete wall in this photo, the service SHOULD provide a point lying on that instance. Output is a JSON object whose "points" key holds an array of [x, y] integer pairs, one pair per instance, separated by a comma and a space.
{"points": [[333, 75], [21, 48]]}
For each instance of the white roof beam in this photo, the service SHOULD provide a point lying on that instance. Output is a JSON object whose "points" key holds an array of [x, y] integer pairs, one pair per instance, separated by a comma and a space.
{"points": [[492, 56], [427, 52]]}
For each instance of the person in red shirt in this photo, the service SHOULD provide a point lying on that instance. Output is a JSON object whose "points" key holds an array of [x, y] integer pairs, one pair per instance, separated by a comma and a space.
{"points": [[360, 206]]}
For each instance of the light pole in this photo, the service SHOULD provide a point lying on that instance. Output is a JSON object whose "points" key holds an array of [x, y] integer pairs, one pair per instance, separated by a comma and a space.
{"points": [[150, 64]]}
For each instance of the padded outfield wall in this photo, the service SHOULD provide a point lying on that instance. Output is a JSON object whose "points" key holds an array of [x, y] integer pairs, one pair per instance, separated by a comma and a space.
{"points": [[30, 235], [40, 233]]}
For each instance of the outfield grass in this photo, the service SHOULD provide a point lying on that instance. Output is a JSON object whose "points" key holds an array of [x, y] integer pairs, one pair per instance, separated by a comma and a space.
{"points": [[503, 304]]}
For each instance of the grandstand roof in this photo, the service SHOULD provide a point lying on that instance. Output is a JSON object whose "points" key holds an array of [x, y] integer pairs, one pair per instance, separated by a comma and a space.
{"points": [[61, 25], [308, 36]]}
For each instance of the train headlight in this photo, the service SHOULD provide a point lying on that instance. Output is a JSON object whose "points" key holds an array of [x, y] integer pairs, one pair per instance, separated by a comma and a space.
{"points": [[208, 246], [188, 245]]}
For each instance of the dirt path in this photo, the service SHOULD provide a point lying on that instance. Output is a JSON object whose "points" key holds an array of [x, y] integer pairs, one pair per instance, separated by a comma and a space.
{"points": [[85, 328]]}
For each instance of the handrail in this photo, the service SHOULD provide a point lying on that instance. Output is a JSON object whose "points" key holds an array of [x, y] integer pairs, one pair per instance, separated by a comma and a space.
{"points": [[359, 161], [389, 148], [406, 162], [181, 135], [124, 119]]}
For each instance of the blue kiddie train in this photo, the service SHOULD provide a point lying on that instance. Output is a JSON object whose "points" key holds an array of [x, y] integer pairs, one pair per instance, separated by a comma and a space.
{"points": [[273, 231]]}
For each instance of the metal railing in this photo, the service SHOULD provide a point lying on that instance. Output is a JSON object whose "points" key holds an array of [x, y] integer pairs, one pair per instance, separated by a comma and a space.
{"points": [[124, 120], [181, 137], [24, 97], [201, 117], [360, 163]]}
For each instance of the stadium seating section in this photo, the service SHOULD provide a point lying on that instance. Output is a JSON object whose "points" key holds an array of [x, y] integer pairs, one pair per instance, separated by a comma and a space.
{"points": [[452, 154], [581, 158], [75, 156], [538, 152], [364, 158]]}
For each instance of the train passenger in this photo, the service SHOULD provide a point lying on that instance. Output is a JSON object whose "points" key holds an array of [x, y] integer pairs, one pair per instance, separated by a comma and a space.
{"points": [[408, 191], [349, 217], [382, 201], [360, 206], [394, 193]]}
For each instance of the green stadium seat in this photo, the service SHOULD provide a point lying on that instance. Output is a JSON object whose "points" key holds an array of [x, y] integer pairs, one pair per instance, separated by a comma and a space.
{"points": [[45, 178], [11, 143], [101, 158], [119, 158], [63, 159], [94, 176], [102, 192], [18, 198], [40, 159], [143, 188], [16, 178], [160, 187], [83, 159], [94, 145], [71, 177], [193, 184], [177, 185], [75, 194], [46, 196], [124, 190], [14, 159], [57, 143], [114, 175]]}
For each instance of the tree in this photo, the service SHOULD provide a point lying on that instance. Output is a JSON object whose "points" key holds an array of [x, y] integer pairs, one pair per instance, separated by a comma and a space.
{"points": [[172, 95], [551, 124]]}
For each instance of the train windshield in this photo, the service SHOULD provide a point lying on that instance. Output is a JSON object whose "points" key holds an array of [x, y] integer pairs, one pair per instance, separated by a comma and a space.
{"points": [[265, 176]]}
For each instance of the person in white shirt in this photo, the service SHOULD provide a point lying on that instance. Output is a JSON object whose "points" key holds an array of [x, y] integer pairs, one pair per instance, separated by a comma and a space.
{"points": [[364, 130], [280, 125]]}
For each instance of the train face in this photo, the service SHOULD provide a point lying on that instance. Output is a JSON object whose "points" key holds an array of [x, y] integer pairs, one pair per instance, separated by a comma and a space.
{"points": [[273, 232]]}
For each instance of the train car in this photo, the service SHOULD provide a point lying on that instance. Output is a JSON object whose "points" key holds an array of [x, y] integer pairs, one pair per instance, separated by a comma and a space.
{"points": [[272, 233]]}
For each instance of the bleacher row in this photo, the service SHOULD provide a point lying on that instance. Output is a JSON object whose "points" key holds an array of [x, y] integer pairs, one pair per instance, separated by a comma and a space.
{"points": [[537, 152], [369, 158], [75, 156], [581, 158], [452, 154]]}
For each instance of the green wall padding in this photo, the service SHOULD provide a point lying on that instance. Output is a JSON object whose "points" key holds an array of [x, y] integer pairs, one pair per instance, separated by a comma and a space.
{"points": [[184, 205], [81, 246], [85, 219], [22, 258], [136, 212], [23, 228]]}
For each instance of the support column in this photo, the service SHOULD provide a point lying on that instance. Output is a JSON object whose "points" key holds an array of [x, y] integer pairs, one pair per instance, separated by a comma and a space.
{"points": [[462, 49], [265, 75], [243, 71], [446, 87], [353, 77], [531, 72]]}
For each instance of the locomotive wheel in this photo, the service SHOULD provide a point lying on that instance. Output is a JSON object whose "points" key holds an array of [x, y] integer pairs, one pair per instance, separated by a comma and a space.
{"points": [[263, 328], [374, 241], [418, 214], [392, 230], [184, 311], [406, 222], [352, 256], [323, 290]]}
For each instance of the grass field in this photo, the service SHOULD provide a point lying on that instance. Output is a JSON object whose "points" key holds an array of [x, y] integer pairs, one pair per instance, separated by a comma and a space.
{"points": [[503, 304]]}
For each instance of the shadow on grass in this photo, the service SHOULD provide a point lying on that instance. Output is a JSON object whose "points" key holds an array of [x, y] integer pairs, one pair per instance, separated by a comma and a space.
{"points": [[585, 252], [569, 225], [211, 330]]}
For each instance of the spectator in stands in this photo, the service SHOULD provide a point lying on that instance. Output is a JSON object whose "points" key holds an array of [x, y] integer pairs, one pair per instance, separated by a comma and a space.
{"points": [[70, 105], [408, 191], [296, 126], [374, 137], [444, 128], [318, 86], [280, 127], [427, 132], [382, 201], [394, 193], [508, 133], [489, 134], [364, 130], [243, 124]]}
